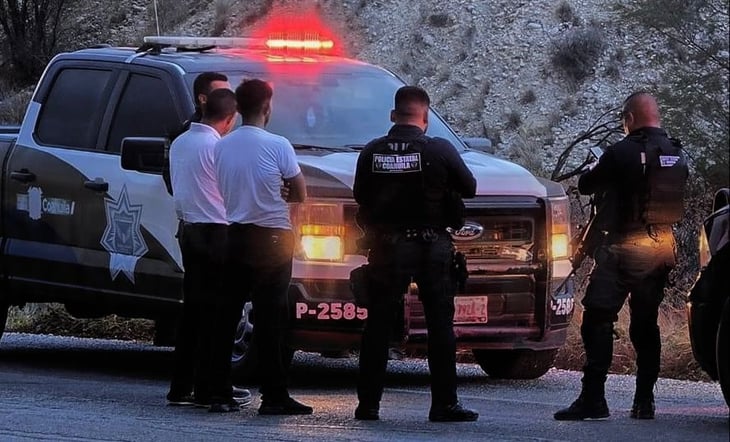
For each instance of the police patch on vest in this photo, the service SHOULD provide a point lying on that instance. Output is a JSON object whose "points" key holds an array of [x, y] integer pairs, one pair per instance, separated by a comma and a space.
{"points": [[668, 160], [396, 163]]}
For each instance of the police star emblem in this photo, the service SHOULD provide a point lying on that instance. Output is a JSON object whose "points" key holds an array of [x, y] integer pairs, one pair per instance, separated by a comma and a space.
{"points": [[122, 237]]}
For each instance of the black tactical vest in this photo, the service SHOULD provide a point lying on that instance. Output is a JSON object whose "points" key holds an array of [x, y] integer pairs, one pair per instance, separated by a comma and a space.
{"points": [[664, 181], [397, 171]]}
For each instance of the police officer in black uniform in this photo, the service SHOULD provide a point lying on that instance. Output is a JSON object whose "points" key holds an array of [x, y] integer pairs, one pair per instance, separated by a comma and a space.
{"points": [[641, 181], [406, 184]]}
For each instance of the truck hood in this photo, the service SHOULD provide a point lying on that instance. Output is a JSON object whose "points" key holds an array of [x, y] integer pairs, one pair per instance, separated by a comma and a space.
{"points": [[333, 175]]}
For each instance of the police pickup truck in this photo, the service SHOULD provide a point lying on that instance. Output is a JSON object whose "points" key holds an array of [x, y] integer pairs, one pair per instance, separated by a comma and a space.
{"points": [[87, 219]]}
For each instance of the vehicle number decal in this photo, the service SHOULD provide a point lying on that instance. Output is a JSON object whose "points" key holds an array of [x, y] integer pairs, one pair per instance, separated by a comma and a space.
{"points": [[561, 306], [331, 311]]}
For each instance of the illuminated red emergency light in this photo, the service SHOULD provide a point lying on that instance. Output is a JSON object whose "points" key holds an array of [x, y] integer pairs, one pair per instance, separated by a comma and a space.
{"points": [[291, 30], [306, 45]]}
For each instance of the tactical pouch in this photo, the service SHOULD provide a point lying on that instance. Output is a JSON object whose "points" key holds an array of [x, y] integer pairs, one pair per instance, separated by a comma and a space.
{"points": [[359, 285]]}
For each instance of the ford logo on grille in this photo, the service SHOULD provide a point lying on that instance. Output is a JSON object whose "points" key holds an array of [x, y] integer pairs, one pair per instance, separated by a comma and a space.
{"points": [[470, 231]]}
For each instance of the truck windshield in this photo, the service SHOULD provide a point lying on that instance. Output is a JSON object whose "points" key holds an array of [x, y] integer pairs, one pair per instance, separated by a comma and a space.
{"points": [[337, 110]]}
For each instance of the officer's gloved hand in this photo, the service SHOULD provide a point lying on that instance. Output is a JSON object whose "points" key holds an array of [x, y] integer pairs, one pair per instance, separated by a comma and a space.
{"points": [[589, 166]]}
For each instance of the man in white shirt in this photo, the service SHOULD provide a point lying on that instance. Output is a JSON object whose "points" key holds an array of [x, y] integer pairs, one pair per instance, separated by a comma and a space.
{"points": [[202, 236], [251, 165]]}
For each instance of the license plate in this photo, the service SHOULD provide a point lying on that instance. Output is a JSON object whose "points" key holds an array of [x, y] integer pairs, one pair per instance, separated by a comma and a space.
{"points": [[470, 309]]}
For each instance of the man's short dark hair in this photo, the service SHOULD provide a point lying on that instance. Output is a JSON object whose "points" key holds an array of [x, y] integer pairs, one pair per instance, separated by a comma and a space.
{"points": [[252, 95], [202, 83], [407, 97], [221, 104]]}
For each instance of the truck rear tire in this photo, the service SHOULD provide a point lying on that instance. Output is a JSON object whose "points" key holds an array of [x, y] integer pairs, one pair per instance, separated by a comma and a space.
{"points": [[722, 349], [515, 364]]}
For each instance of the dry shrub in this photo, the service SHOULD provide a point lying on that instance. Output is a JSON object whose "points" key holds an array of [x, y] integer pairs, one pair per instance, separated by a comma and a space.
{"points": [[12, 108], [564, 12], [527, 149], [170, 13], [53, 319], [528, 97], [514, 120], [575, 56], [222, 12]]}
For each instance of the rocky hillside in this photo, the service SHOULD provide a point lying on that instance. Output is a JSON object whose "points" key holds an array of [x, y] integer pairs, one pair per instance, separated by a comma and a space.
{"points": [[530, 75], [493, 67]]}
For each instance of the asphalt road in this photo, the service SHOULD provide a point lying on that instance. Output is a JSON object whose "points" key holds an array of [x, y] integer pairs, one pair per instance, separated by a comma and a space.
{"points": [[70, 389]]}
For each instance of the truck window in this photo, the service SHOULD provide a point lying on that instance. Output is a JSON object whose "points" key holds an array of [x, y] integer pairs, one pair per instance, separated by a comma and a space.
{"points": [[146, 109], [73, 109]]}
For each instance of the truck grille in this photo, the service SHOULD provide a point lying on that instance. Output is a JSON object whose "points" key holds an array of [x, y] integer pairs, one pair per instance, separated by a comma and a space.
{"points": [[496, 237]]}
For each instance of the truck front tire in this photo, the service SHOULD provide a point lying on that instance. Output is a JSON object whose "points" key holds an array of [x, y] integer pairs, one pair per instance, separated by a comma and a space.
{"points": [[515, 364], [244, 360]]}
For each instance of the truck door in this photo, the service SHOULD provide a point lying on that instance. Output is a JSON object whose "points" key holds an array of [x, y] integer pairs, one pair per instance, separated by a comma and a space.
{"points": [[45, 195], [135, 232]]}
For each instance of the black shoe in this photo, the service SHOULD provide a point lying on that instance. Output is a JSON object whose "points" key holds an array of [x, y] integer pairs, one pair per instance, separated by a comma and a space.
{"points": [[285, 406], [242, 396], [452, 413], [364, 413], [180, 399], [582, 409], [643, 408], [202, 402], [229, 406]]}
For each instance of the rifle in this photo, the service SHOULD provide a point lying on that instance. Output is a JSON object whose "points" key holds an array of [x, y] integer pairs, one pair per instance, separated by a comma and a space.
{"points": [[584, 243], [589, 237]]}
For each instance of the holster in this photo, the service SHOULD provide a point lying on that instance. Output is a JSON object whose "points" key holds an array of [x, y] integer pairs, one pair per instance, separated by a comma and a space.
{"points": [[359, 285], [459, 272]]}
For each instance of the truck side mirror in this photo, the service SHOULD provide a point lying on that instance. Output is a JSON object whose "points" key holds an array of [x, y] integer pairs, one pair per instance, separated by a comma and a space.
{"points": [[479, 143], [145, 154]]}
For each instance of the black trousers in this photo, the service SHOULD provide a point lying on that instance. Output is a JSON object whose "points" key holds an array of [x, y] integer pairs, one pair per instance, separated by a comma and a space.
{"points": [[393, 264], [634, 265], [202, 246], [259, 266]]}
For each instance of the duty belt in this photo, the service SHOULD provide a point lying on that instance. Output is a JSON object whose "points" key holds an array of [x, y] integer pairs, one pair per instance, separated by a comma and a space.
{"points": [[414, 234]]}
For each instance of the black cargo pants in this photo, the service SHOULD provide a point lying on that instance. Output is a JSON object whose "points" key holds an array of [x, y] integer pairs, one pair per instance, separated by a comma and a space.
{"points": [[634, 265], [392, 264]]}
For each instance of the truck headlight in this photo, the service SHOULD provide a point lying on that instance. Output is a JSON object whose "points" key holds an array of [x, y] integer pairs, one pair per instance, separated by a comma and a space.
{"points": [[560, 245], [560, 228], [323, 242], [321, 231]]}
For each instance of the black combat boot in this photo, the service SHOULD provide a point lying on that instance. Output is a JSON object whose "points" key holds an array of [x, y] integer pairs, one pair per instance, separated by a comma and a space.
{"points": [[643, 406], [598, 342], [589, 405]]}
